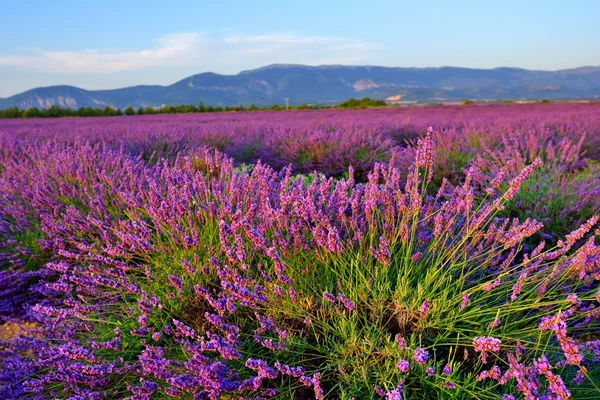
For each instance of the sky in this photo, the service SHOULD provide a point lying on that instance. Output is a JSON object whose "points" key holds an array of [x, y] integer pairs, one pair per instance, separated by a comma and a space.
{"points": [[108, 44]]}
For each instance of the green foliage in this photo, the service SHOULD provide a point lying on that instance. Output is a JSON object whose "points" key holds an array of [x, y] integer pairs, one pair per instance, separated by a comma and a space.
{"points": [[365, 102], [86, 112], [32, 113], [12, 112], [56, 111], [468, 102], [109, 111]]}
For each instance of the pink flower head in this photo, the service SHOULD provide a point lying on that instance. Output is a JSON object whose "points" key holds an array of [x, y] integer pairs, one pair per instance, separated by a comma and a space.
{"points": [[400, 341], [424, 308], [448, 369], [403, 365], [485, 344], [465, 301], [494, 324], [421, 356], [329, 297], [346, 302]]}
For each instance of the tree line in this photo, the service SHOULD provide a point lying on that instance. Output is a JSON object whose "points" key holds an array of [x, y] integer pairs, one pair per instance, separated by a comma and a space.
{"points": [[56, 111]]}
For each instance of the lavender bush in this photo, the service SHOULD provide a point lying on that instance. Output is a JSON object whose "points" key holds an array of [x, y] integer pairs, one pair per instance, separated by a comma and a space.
{"points": [[179, 274]]}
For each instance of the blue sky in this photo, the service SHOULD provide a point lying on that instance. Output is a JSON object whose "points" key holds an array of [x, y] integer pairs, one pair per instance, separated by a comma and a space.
{"points": [[108, 44]]}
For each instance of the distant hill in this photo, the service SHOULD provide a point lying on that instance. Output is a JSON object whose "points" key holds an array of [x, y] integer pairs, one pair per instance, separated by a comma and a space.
{"points": [[328, 84]]}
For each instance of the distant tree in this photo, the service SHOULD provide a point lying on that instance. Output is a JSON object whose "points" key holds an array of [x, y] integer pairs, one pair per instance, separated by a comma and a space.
{"points": [[32, 112], [545, 101], [510, 102], [365, 102], [67, 112], [109, 111], [57, 111], [350, 103], [53, 111], [84, 112], [468, 102], [12, 112]]}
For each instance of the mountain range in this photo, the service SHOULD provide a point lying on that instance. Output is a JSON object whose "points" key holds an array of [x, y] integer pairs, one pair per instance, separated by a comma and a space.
{"points": [[328, 84]]}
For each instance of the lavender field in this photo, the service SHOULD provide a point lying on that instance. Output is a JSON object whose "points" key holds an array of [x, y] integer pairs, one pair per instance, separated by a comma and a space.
{"points": [[447, 252]]}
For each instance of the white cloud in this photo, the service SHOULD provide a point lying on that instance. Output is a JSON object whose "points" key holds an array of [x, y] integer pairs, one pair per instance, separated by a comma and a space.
{"points": [[171, 50], [231, 52]]}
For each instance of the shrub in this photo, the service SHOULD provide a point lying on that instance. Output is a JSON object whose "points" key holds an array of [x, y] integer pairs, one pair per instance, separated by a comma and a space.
{"points": [[155, 266], [227, 284]]}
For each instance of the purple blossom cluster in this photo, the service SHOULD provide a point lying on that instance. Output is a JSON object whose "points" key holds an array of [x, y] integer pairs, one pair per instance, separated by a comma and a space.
{"points": [[485, 344]]}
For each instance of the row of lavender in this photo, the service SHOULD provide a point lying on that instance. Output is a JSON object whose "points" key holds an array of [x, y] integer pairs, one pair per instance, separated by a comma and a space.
{"points": [[190, 277], [327, 141]]}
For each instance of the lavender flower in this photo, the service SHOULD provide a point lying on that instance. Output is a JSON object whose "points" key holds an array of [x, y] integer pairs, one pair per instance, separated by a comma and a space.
{"points": [[424, 309], [449, 385], [403, 365], [447, 370], [421, 356], [401, 342], [485, 344], [175, 281], [329, 297], [465, 301], [347, 303]]}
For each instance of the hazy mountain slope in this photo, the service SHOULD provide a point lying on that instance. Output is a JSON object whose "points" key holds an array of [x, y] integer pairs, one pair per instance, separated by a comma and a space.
{"points": [[330, 84]]}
